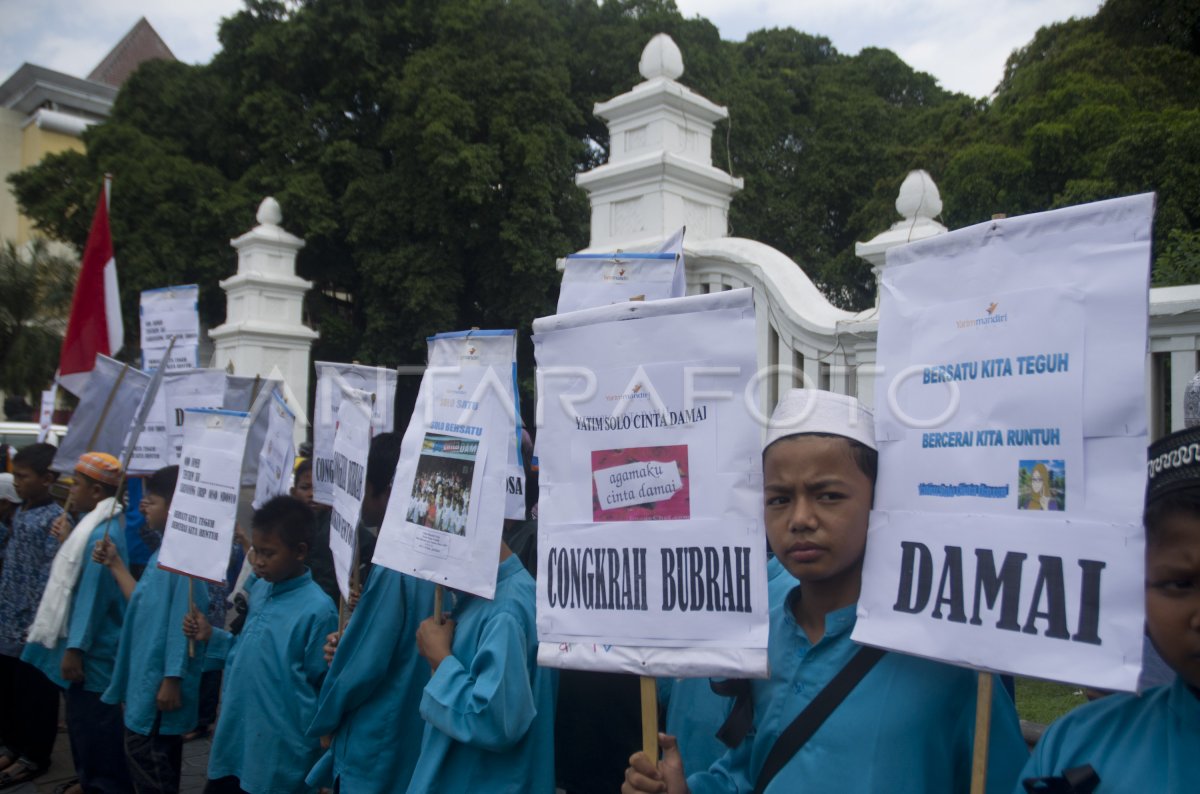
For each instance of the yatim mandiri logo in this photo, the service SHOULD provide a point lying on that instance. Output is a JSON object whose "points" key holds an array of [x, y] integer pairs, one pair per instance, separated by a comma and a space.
{"points": [[470, 353], [990, 317], [635, 393], [616, 273]]}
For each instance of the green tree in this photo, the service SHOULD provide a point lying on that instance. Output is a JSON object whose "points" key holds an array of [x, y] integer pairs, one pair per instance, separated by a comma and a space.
{"points": [[35, 294]]}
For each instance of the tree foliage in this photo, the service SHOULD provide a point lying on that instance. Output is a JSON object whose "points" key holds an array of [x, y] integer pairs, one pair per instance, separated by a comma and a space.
{"points": [[427, 151], [35, 293]]}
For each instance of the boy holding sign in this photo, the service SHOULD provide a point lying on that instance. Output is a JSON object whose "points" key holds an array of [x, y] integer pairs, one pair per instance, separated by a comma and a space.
{"points": [[903, 722], [155, 679], [275, 665], [1147, 743]]}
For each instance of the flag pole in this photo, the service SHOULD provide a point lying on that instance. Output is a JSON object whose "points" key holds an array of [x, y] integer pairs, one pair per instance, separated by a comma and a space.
{"points": [[96, 431]]}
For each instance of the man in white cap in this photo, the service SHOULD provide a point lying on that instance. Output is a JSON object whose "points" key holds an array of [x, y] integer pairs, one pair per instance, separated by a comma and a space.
{"points": [[835, 715]]}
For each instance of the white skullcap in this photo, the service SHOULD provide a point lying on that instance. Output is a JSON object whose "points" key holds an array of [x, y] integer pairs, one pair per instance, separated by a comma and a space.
{"points": [[818, 411]]}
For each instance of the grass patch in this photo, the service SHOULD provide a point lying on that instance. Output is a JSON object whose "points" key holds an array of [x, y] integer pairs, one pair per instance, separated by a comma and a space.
{"points": [[1044, 702]]}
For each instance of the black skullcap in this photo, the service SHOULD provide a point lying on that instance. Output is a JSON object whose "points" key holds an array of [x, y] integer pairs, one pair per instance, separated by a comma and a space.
{"points": [[1174, 464]]}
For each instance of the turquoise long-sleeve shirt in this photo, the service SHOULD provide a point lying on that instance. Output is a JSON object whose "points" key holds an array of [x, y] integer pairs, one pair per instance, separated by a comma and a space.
{"points": [[1147, 743], [489, 708], [94, 622], [153, 647], [694, 711], [273, 673], [370, 701], [907, 726]]}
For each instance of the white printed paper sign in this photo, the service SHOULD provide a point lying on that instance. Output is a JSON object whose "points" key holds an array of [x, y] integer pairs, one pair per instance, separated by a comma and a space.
{"points": [[45, 415], [199, 533], [351, 444], [183, 391], [650, 516], [277, 453], [446, 512], [1011, 424], [166, 313], [591, 280], [333, 381]]}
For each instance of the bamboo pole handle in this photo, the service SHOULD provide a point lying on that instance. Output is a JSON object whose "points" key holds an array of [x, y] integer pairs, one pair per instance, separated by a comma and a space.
{"points": [[191, 609], [983, 728], [438, 599], [649, 718]]}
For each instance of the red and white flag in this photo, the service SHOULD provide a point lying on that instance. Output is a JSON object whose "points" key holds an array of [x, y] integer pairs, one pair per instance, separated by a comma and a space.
{"points": [[95, 326]]}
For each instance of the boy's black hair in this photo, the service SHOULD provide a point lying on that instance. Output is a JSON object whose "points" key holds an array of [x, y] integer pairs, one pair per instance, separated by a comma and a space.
{"points": [[865, 458], [37, 457], [1185, 501], [382, 460], [162, 482], [108, 490], [288, 518], [302, 468]]}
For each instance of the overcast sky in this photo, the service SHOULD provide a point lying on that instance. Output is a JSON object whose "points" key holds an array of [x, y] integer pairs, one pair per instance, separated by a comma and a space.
{"points": [[963, 43]]}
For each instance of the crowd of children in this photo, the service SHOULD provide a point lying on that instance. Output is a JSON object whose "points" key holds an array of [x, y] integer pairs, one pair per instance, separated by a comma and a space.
{"points": [[402, 699]]}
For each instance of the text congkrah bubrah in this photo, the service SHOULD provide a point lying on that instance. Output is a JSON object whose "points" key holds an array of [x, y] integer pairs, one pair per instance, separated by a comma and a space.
{"points": [[1011, 420], [651, 553]]}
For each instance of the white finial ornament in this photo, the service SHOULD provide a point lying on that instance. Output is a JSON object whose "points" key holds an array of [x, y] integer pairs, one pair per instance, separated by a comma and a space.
{"points": [[919, 196], [269, 213], [661, 58]]}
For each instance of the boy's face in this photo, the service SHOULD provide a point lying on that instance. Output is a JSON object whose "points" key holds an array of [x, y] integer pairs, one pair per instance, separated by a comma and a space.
{"points": [[155, 508], [303, 489], [274, 560], [816, 501], [1173, 593], [31, 486], [85, 493]]}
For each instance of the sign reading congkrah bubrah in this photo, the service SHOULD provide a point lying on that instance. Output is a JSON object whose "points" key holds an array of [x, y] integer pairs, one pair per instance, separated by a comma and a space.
{"points": [[651, 549], [1011, 423], [446, 512], [199, 531], [351, 444], [332, 382], [601, 279], [166, 313]]}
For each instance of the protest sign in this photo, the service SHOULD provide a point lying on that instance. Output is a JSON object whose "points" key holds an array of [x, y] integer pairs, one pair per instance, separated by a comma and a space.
{"points": [[166, 313], [106, 408], [351, 443], [591, 280], [182, 391], [199, 532], [45, 415], [651, 552], [277, 452], [447, 507], [1011, 425], [244, 393], [331, 378]]}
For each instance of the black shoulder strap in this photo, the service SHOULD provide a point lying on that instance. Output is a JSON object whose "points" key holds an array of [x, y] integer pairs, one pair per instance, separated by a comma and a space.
{"points": [[814, 715]]}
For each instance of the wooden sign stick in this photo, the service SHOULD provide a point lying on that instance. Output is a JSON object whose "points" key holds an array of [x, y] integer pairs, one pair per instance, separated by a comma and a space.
{"points": [[439, 595], [649, 718], [191, 609], [983, 729]]}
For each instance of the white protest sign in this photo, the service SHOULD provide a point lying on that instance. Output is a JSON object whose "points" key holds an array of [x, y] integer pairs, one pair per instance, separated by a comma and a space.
{"points": [[183, 391], [45, 415], [170, 312], [199, 532], [591, 280], [152, 450], [446, 512], [351, 444], [112, 393], [277, 453], [651, 544], [332, 379], [1011, 424]]}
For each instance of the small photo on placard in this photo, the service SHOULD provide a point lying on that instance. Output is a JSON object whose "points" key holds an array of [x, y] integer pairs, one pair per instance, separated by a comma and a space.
{"points": [[441, 494], [1042, 485], [640, 484]]}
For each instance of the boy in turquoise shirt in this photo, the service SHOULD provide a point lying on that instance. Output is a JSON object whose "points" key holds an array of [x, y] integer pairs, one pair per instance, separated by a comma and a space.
{"points": [[81, 592], [274, 667], [155, 679], [1149, 742], [908, 724]]}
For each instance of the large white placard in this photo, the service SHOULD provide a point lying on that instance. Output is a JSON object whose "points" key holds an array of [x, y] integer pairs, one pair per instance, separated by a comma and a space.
{"points": [[351, 444], [446, 512], [106, 408], [591, 280], [332, 381], [183, 391], [1011, 421], [277, 453], [199, 532], [166, 313], [650, 516]]}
